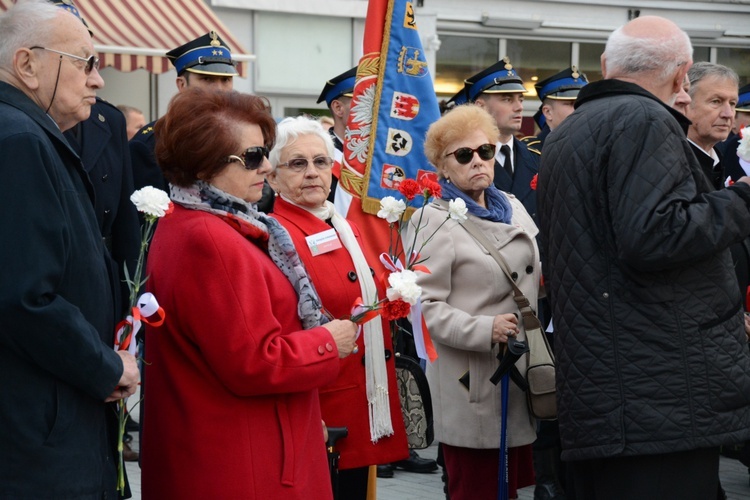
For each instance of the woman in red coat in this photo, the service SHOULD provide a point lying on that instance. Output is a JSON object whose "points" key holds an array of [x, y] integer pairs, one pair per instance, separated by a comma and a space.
{"points": [[364, 397], [233, 374]]}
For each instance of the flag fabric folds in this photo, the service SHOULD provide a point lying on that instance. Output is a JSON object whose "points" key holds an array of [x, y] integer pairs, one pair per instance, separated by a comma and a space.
{"points": [[392, 107], [394, 104]]}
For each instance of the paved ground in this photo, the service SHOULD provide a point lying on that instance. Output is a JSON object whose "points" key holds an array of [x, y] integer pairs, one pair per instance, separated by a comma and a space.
{"points": [[410, 486]]}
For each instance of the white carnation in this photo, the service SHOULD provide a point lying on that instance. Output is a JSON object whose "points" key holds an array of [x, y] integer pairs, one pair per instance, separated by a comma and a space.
{"points": [[457, 209], [743, 149], [151, 201], [403, 285], [391, 209]]}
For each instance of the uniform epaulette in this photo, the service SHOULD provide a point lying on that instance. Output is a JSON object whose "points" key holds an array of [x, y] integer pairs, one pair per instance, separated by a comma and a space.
{"points": [[530, 141]]}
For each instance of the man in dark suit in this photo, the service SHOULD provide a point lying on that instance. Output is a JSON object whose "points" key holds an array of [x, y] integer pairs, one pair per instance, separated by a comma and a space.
{"points": [[713, 94], [499, 90], [58, 365]]}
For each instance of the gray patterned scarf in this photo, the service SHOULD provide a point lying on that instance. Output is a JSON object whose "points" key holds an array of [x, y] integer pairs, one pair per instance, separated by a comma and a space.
{"points": [[204, 196]]}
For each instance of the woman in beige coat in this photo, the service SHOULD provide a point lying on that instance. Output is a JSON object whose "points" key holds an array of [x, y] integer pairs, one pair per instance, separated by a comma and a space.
{"points": [[469, 309]]}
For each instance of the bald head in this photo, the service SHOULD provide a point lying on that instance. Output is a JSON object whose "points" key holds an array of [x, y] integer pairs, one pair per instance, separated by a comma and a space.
{"points": [[650, 51]]}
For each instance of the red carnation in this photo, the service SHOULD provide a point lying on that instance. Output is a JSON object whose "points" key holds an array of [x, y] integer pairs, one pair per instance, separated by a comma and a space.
{"points": [[395, 309], [430, 187], [533, 182], [409, 188]]}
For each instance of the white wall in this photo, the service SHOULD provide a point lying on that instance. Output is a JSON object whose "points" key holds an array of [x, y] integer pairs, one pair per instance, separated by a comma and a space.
{"points": [[126, 88]]}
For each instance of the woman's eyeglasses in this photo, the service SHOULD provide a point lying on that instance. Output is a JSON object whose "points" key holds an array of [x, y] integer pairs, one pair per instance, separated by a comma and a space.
{"points": [[91, 61], [464, 155], [300, 164], [251, 158]]}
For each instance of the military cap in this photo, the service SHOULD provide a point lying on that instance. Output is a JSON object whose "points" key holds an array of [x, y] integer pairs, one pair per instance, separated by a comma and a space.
{"points": [[743, 103], [70, 7], [461, 97], [207, 55], [563, 86], [500, 78], [341, 85]]}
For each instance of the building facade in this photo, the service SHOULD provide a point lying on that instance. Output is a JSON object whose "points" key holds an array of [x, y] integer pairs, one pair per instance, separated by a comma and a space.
{"points": [[299, 44]]}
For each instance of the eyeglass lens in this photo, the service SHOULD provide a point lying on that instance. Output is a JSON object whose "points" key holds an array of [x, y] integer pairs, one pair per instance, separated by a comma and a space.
{"points": [[464, 155], [300, 164], [91, 63]]}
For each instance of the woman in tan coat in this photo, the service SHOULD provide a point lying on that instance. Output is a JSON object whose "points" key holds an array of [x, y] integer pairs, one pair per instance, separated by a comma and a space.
{"points": [[469, 309]]}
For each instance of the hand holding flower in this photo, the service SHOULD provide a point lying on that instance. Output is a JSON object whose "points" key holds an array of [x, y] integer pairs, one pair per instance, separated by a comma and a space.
{"points": [[344, 333], [129, 379]]}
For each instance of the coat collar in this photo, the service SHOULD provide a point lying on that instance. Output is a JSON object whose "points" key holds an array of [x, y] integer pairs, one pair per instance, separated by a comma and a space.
{"points": [[13, 97], [613, 87], [303, 220], [95, 132]]}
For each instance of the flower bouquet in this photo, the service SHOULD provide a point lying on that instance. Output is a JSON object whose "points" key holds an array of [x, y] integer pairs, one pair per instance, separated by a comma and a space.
{"points": [[402, 291], [142, 308]]}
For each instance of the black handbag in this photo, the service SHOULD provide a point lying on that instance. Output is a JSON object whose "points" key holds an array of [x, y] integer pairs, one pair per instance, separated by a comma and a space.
{"points": [[416, 402]]}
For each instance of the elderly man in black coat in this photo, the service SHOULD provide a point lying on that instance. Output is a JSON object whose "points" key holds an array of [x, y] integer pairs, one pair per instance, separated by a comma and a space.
{"points": [[653, 369], [58, 366]]}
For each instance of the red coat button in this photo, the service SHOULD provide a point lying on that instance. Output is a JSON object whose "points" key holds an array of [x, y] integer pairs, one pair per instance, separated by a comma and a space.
{"points": [[329, 347], [321, 351]]}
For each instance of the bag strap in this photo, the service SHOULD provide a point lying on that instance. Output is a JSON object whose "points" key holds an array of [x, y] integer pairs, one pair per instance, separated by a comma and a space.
{"points": [[530, 320]]}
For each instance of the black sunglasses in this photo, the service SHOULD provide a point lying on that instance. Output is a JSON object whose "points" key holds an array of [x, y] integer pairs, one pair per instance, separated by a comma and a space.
{"points": [[251, 158], [464, 155], [91, 61]]}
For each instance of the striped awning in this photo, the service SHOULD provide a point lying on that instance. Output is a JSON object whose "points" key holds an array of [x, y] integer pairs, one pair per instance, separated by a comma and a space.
{"points": [[136, 34]]}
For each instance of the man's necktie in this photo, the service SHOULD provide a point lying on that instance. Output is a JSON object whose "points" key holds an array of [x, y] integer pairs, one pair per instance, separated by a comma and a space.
{"points": [[507, 165]]}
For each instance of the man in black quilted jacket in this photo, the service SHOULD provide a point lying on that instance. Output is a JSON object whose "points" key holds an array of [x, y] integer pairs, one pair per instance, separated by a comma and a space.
{"points": [[653, 368]]}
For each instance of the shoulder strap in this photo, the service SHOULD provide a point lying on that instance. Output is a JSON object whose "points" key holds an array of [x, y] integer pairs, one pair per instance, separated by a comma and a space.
{"points": [[529, 318]]}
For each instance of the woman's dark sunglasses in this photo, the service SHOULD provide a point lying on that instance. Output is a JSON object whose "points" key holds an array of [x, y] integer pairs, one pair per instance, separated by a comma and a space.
{"points": [[464, 155], [251, 158]]}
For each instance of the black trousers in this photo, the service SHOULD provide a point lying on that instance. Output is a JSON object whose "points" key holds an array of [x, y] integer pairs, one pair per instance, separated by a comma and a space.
{"points": [[692, 475], [353, 484]]}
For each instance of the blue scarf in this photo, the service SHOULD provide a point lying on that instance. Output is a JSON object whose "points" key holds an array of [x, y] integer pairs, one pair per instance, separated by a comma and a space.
{"points": [[498, 207]]}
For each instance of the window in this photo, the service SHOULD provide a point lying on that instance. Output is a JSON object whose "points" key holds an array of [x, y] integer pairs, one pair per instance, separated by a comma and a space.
{"points": [[737, 59], [460, 57], [536, 60], [295, 51], [589, 60]]}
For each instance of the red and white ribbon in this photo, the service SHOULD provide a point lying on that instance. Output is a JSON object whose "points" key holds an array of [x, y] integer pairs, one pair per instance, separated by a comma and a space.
{"points": [[146, 310]]}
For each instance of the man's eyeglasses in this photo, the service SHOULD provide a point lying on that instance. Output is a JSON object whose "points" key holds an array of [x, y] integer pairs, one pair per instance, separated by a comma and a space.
{"points": [[464, 155], [300, 164], [91, 61], [251, 158]]}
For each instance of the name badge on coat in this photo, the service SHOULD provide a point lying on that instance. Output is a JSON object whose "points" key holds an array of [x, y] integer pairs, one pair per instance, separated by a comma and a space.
{"points": [[323, 242]]}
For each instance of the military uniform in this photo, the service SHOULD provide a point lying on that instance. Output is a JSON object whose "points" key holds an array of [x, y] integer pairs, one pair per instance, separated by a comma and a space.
{"points": [[339, 86], [562, 86], [206, 55]]}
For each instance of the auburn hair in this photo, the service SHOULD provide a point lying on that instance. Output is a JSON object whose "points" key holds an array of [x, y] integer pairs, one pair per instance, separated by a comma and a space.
{"points": [[199, 131]]}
